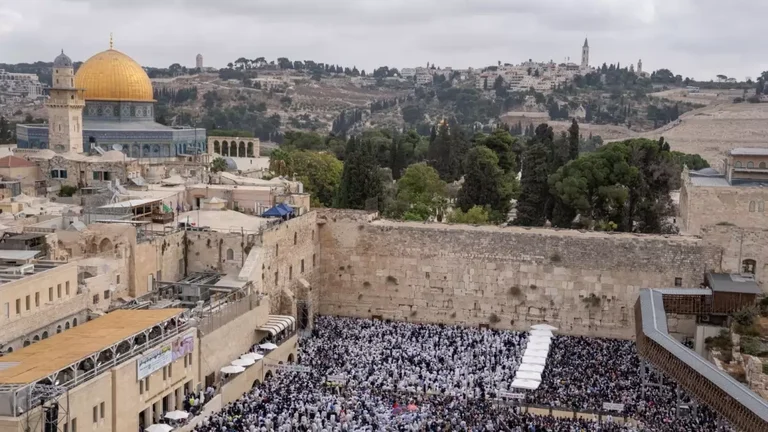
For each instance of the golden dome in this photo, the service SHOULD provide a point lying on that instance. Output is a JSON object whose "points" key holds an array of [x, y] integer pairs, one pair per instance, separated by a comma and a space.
{"points": [[112, 75]]}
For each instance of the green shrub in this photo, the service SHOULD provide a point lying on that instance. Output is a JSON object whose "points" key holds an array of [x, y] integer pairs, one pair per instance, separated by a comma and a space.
{"points": [[67, 191]]}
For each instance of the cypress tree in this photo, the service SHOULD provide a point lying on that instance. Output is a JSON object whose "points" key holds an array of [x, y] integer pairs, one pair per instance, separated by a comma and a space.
{"points": [[573, 141], [534, 193]]}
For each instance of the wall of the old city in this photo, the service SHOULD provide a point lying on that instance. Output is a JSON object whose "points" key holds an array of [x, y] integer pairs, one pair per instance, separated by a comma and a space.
{"points": [[739, 245], [582, 282], [162, 257], [210, 251]]}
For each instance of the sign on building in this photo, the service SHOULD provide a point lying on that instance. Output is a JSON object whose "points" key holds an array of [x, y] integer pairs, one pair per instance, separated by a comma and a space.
{"points": [[294, 368], [608, 406], [154, 360], [337, 379], [164, 355], [511, 395]]}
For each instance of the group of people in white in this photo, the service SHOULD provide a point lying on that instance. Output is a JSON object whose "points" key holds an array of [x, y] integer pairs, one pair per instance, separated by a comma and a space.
{"points": [[370, 375]]}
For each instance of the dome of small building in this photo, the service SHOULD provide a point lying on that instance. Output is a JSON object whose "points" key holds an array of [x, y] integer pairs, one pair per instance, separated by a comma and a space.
{"points": [[62, 61], [113, 76], [231, 164]]}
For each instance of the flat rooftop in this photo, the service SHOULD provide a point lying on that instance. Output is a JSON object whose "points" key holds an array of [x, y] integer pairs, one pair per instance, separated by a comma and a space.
{"points": [[223, 220], [44, 358], [17, 265]]}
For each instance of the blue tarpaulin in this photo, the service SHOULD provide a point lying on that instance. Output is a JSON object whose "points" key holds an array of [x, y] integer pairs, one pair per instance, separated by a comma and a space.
{"points": [[280, 210]]}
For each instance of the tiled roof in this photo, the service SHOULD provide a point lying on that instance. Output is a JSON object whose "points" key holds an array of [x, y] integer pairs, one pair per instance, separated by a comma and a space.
{"points": [[15, 162]]}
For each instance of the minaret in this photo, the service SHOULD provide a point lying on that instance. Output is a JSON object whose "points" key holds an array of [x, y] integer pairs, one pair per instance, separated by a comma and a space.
{"points": [[199, 61], [65, 109], [585, 55], [640, 67]]}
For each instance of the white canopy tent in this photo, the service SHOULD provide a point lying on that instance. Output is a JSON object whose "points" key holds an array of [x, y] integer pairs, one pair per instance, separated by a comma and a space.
{"points": [[543, 327], [547, 333], [269, 346], [525, 384], [159, 427], [177, 415], [535, 360], [533, 376], [253, 356], [528, 367]]}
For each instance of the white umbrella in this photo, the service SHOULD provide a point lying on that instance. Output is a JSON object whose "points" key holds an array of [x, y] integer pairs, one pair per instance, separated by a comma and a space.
{"points": [[177, 415], [547, 333], [243, 362], [527, 367], [543, 327], [253, 356], [230, 370], [269, 346], [159, 427], [533, 376]]}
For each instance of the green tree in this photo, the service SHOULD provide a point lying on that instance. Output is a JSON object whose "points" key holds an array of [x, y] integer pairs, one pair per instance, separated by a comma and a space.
{"points": [[534, 189], [421, 188], [440, 152], [360, 186], [573, 140], [485, 184], [218, 165], [502, 143], [319, 172], [475, 216]]}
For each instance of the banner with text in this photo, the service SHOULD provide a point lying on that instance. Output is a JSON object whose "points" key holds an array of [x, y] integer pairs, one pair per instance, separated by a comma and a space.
{"points": [[154, 360], [608, 406]]}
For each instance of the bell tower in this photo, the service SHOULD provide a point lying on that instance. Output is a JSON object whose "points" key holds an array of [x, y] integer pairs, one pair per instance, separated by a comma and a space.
{"points": [[65, 108], [585, 55]]}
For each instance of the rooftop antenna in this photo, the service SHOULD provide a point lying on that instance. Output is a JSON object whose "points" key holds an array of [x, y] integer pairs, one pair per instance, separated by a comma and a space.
{"points": [[111, 44]]}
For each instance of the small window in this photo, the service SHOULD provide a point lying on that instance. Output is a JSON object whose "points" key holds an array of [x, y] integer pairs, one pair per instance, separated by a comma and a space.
{"points": [[295, 238], [276, 276], [74, 425], [55, 174], [141, 387], [117, 279], [751, 206], [7, 310], [761, 206], [277, 250], [737, 164], [50, 294], [185, 362], [146, 384], [96, 414], [762, 165], [678, 282], [165, 376], [97, 175], [313, 260], [750, 164], [58, 291], [95, 299], [290, 272], [66, 288], [230, 254], [18, 306], [170, 370], [37, 299], [302, 266], [106, 294], [27, 302], [748, 266], [101, 410], [107, 176]]}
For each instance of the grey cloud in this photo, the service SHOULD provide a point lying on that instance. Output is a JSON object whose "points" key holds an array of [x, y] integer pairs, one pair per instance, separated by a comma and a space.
{"points": [[692, 37]]}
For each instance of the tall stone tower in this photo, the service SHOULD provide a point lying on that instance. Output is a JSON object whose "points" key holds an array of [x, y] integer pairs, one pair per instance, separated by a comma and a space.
{"points": [[640, 67], [65, 108], [585, 55], [199, 61]]}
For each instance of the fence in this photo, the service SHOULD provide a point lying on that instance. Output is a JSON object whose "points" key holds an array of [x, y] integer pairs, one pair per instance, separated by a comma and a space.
{"points": [[224, 311]]}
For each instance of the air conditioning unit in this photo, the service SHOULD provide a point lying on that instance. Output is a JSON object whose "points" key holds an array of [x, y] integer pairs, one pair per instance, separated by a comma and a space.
{"points": [[705, 318]]}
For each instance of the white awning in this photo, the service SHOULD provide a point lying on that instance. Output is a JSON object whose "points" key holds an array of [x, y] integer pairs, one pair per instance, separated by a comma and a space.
{"points": [[277, 323]]}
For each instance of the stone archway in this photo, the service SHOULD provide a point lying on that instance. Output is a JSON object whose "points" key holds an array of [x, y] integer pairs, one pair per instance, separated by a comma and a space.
{"points": [[216, 147], [241, 149], [290, 358], [106, 246], [268, 375], [224, 148], [250, 149], [256, 383]]}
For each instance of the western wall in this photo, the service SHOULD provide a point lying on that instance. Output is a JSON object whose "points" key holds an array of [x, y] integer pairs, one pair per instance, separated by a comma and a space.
{"points": [[582, 282]]}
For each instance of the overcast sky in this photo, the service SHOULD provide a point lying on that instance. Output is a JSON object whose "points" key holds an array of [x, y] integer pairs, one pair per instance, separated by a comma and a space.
{"points": [[698, 38]]}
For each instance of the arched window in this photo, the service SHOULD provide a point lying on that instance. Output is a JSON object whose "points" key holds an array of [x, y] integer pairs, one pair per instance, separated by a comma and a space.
{"points": [[58, 329], [751, 206], [241, 149], [216, 147], [45, 335], [762, 165], [224, 148], [27, 343], [36, 338], [250, 149], [748, 266], [230, 254], [74, 322], [66, 325], [750, 164], [761, 206], [737, 164]]}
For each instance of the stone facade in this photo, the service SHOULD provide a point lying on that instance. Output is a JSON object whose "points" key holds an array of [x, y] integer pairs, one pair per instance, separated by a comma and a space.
{"points": [[78, 171], [744, 250], [581, 282], [234, 146], [735, 205]]}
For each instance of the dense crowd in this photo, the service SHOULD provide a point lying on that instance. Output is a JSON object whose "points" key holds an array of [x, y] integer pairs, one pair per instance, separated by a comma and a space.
{"points": [[409, 377]]}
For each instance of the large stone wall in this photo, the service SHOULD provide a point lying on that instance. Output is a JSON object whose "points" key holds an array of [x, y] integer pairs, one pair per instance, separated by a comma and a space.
{"points": [[738, 245], [582, 282], [706, 206]]}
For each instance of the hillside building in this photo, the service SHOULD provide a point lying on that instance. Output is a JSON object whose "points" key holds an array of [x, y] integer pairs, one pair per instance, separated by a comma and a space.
{"points": [[23, 85]]}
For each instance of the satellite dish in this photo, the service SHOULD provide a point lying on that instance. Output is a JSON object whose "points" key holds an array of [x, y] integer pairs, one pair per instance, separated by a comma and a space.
{"points": [[117, 147]]}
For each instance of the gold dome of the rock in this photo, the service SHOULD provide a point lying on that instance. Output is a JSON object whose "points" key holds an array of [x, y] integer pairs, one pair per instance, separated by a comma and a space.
{"points": [[113, 76]]}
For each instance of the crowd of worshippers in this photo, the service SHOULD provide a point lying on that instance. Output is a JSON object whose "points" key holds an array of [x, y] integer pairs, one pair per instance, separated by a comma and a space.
{"points": [[399, 376]]}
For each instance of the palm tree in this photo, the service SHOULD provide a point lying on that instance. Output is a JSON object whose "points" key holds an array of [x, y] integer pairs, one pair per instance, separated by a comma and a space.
{"points": [[218, 165]]}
